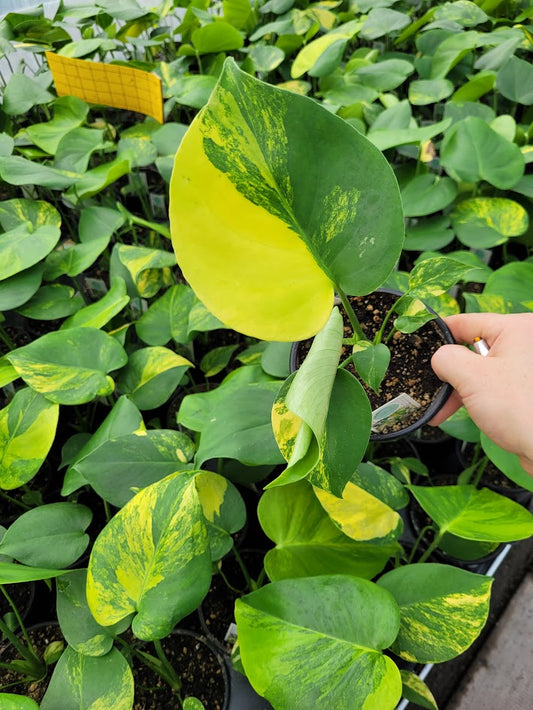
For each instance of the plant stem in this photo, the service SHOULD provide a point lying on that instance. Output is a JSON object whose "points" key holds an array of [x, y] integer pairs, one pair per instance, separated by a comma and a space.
{"points": [[170, 674], [417, 542], [7, 340], [433, 546], [354, 322], [249, 581]]}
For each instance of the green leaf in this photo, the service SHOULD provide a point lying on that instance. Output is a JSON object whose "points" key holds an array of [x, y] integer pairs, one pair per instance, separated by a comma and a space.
{"points": [[308, 543], [484, 222], [442, 610], [311, 58], [472, 151], [476, 87], [371, 362], [313, 618], [31, 229], [151, 376], [48, 536], [97, 179], [69, 367], [7, 372], [124, 418], [462, 12], [121, 465], [101, 312], [275, 359], [22, 93], [19, 288], [515, 81], [11, 573], [152, 559], [461, 426], [428, 234], [321, 417], [507, 463], [51, 302], [69, 112], [384, 139], [84, 681], [217, 359], [177, 315], [416, 691], [8, 701], [381, 484], [27, 430], [512, 282], [193, 90], [216, 37], [475, 514], [451, 51], [426, 194], [310, 197], [429, 91], [385, 75], [382, 21], [20, 171], [78, 626], [76, 147], [234, 419], [95, 228], [266, 58]]}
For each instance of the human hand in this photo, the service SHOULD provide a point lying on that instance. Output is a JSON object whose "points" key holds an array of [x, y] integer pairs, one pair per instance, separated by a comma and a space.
{"points": [[497, 390]]}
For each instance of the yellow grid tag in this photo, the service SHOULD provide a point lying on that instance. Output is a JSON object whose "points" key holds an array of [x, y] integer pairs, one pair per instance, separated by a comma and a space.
{"points": [[107, 84]]}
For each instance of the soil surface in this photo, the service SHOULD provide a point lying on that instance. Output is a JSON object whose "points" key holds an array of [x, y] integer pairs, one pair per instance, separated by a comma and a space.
{"points": [[409, 370]]}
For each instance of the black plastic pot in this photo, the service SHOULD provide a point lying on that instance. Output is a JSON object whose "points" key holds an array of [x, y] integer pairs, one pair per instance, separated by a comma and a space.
{"points": [[439, 399]]}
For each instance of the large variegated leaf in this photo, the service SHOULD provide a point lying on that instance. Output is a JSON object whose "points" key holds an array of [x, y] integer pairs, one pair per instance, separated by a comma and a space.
{"points": [[71, 366], [27, 430], [381, 484], [88, 682], [442, 610], [475, 514], [307, 541], [360, 515], [123, 419], [274, 201], [152, 375], [484, 222], [152, 559], [30, 230], [78, 625], [339, 625], [321, 417], [121, 466], [144, 266]]}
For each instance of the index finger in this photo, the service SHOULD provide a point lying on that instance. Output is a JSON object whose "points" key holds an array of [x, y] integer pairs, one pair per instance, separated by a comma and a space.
{"points": [[467, 326]]}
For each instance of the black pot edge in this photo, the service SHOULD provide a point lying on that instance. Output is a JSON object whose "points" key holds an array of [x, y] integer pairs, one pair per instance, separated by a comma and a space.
{"points": [[438, 402]]}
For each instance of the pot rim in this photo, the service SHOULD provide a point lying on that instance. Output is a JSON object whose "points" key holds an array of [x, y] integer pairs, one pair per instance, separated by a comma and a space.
{"points": [[441, 397]]}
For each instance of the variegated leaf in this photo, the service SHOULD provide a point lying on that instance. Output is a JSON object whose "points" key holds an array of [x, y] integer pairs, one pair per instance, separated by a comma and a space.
{"points": [[294, 213], [475, 514], [223, 509], [442, 610], [152, 559], [91, 683], [152, 375], [416, 691], [484, 222], [27, 430], [71, 366], [144, 266], [307, 541], [360, 515], [9, 701], [339, 625]]}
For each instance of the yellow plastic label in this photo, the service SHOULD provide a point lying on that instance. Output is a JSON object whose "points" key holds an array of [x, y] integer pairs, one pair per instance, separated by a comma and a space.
{"points": [[107, 84]]}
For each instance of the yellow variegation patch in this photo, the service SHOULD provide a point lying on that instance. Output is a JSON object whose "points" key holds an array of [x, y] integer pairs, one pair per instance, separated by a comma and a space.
{"points": [[261, 246], [211, 489], [359, 514], [285, 425], [504, 216]]}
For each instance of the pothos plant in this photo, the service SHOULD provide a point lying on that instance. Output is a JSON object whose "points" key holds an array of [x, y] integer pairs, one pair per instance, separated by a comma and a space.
{"points": [[276, 206]]}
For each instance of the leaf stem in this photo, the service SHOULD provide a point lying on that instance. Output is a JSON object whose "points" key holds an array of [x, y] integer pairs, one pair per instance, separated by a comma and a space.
{"points": [[354, 322]]}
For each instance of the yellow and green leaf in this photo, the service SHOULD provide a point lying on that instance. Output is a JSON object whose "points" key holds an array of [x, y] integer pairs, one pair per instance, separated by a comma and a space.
{"points": [[152, 559], [484, 222], [267, 218], [27, 430], [442, 610]]}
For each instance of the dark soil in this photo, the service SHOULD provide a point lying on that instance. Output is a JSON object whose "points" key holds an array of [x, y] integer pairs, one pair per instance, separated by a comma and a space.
{"points": [[41, 636], [410, 367], [201, 669]]}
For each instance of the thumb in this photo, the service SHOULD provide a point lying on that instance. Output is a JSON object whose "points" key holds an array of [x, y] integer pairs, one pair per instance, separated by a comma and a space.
{"points": [[457, 365]]}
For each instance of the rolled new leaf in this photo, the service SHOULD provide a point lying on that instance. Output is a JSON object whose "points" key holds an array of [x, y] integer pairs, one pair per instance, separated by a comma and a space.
{"points": [[273, 202]]}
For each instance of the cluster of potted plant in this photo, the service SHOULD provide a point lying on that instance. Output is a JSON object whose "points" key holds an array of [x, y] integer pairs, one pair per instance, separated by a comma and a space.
{"points": [[212, 328]]}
